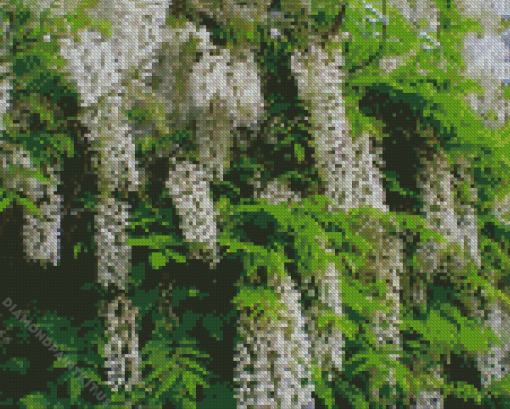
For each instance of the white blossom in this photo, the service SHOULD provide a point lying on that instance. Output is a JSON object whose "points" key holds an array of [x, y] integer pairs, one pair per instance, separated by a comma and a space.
{"points": [[279, 355], [123, 367]]}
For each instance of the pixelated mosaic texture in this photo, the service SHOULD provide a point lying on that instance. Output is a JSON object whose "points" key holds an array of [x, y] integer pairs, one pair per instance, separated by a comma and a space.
{"points": [[286, 204]]}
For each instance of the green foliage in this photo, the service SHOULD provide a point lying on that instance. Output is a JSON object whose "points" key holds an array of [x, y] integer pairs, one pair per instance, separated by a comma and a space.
{"points": [[16, 365], [431, 84], [175, 366], [8, 199], [152, 227], [259, 301], [35, 401], [176, 371], [279, 239], [394, 185], [323, 391], [77, 350], [401, 37], [443, 330], [41, 97], [78, 19], [43, 111], [366, 26]]}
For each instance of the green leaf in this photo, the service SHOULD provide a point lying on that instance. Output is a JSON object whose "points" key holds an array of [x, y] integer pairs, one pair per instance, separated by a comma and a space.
{"points": [[214, 324], [37, 400], [17, 364], [155, 241], [324, 392], [29, 204], [394, 185], [5, 202], [75, 387], [172, 371], [259, 300], [161, 258], [158, 260], [77, 250], [145, 300], [464, 391], [357, 397], [349, 329], [472, 336]]}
